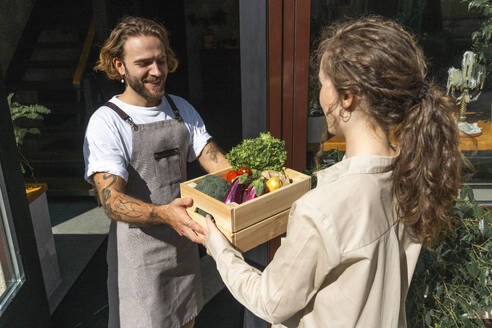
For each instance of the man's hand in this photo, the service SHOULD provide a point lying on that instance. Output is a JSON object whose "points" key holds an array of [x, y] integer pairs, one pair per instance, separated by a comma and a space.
{"points": [[121, 207], [176, 216]]}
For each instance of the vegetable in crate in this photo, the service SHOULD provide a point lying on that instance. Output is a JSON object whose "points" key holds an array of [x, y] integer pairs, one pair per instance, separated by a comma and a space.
{"points": [[213, 186], [243, 170], [261, 153], [256, 189], [235, 193], [273, 184], [268, 174], [231, 175]]}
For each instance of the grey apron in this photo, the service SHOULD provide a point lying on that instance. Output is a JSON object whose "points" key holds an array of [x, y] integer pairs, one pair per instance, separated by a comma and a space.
{"points": [[153, 273]]}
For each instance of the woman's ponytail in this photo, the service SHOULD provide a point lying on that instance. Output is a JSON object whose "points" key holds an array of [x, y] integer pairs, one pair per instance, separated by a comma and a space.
{"points": [[426, 173]]}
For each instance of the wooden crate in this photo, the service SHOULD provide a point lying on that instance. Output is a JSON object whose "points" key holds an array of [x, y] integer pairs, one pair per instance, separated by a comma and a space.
{"points": [[254, 222]]}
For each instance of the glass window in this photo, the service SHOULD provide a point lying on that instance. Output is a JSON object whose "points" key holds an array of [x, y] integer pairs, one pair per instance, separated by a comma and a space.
{"points": [[444, 30], [11, 271]]}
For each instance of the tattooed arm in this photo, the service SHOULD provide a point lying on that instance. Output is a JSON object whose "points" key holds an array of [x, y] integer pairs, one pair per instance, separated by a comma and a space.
{"points": [[121, 207], [212, 159]]}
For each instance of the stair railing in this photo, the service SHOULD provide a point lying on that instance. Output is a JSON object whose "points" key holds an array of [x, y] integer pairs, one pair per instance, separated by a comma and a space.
{"points": [[81, 82]]}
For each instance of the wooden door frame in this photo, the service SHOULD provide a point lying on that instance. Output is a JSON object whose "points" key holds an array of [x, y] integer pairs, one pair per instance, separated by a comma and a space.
{"points": [[288, 64], [288, 31], [29, 307]]}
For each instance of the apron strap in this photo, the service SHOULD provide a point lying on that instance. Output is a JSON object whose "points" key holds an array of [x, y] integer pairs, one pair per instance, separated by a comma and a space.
{"points": [[174, 108], [122, 114]]}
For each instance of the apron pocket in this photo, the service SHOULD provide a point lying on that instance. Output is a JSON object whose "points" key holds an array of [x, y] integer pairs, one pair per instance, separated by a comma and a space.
{"points": [[168, 166]]}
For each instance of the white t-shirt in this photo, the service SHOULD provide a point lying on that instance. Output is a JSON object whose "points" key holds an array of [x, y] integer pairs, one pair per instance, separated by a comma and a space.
{"points": [[108, 139]]}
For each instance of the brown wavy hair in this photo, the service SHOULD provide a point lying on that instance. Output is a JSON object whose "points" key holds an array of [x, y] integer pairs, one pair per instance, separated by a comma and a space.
{"points": [[377, 60], [130, 27]]}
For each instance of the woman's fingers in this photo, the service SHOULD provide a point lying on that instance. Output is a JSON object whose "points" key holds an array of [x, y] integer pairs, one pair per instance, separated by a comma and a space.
{"points": [[210, 223]]}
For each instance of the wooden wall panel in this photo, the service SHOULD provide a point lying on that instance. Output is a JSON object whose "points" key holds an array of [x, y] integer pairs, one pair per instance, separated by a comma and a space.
{"points": [[288, 63], [300, 94]]}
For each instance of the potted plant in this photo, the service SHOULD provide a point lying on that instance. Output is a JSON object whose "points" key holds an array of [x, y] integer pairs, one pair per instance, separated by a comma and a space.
{"points": [[19, 112]]}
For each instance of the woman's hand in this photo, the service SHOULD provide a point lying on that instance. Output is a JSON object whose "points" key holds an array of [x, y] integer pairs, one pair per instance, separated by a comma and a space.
{"points": [[214, 240]]}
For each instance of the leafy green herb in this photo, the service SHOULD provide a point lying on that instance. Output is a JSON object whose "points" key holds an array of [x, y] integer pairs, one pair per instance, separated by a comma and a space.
{"points": [[243, 178], [259, 185], [261, 153]]}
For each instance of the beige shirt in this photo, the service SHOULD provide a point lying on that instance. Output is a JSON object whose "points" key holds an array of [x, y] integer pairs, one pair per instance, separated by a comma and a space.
{"points": [[346, 260]]}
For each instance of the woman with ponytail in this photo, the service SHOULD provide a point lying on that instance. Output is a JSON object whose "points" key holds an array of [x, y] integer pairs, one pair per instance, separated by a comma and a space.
{"points": [[352, 242]]}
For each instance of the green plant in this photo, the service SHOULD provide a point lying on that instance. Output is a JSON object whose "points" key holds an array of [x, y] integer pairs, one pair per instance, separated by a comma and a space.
{"points": [[452, 284], [18, 112], [214, 186], [481, 37], [264, 152]]}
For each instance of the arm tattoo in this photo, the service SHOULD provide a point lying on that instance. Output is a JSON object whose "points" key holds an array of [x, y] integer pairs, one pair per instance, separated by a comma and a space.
{"points": [[212, 152], [110, 176], [119, 207], [153, 215], [128, 208], [106, 192]]}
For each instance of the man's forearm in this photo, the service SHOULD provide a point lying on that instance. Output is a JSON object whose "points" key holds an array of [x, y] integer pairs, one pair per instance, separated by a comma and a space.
{"points": [[212, 159], [121, 207]]}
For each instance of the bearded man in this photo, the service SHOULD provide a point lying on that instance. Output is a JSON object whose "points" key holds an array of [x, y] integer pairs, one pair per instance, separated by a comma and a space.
{"points": [[136, 149]]}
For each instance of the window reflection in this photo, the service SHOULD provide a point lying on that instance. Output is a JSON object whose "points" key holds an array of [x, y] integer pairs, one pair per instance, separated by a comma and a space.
{"points": [[444, 30]]}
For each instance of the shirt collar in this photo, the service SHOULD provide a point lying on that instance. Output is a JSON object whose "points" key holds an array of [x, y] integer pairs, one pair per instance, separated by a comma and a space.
{"points": [[152, 111], [363, 164]]}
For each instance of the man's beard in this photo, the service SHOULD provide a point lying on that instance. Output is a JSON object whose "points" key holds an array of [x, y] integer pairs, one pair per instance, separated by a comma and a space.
{"points": [[139, 87]]}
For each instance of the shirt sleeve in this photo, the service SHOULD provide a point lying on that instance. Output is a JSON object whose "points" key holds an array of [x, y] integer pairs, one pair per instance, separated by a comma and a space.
{"points": [[103, 149], [294, 276], [198, 132]]}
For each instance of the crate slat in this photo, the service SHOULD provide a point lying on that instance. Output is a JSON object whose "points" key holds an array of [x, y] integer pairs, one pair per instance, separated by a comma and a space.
{"points": [[261, 232], [254, 222]]}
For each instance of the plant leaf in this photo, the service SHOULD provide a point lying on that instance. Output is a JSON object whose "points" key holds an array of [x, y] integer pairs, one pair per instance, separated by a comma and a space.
{"points": [[259, 185], [243, 178], [428, 319]]}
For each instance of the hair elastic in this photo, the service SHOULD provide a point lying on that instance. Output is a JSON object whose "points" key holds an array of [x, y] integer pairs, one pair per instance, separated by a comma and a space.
{"points": [[424, 89]]}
